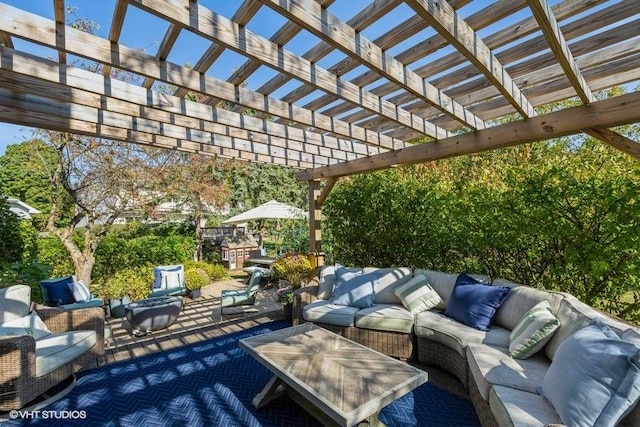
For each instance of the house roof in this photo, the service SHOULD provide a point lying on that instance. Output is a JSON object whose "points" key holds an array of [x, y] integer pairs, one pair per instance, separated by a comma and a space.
{"points": [[21, 209], [244, 241], [343, 92]]}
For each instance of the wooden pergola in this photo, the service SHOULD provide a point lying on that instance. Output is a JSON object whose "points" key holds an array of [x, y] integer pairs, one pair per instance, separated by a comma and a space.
{"points": [[442, 71]]}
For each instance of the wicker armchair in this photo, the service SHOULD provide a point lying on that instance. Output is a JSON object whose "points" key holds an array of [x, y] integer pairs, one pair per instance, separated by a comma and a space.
{"points": [[19, 383]]}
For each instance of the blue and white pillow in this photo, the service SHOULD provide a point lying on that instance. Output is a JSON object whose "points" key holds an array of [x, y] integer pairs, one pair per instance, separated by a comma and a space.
{"points": [[80, 291]]}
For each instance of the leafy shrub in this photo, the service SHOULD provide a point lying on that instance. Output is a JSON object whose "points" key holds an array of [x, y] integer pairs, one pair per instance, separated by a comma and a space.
{"points": [[294, 268], [52, 252], [550, 215], [116, 253], [28, 273], [195, 278], [214, 271], [133, 282]]}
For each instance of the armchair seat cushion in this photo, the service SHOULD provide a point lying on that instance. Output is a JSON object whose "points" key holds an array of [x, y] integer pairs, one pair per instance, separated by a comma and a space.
{"points": [[58, 349], [385, 317], [324, 312]]}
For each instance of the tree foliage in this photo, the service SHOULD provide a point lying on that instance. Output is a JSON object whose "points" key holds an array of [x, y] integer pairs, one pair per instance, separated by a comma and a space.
{"points": [[11, 243], [561, 215]]}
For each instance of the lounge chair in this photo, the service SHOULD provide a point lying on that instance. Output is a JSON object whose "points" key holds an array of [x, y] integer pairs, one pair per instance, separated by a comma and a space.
{"points": [[168, 281], [247, 296], [40, 349]]}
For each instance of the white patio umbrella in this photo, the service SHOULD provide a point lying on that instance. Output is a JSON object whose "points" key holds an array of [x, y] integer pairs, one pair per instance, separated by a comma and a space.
{"points": [[269, 210]]}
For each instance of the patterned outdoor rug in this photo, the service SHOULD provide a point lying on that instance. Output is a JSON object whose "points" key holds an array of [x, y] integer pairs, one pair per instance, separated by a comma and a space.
{"points": [[212, 383]]}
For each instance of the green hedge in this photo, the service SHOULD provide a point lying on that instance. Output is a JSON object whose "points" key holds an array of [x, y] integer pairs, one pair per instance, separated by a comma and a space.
{"points": [[555, 216]]}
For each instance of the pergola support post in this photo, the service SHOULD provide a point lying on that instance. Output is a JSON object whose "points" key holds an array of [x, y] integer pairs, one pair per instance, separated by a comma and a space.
{"points": [[316, 198]]}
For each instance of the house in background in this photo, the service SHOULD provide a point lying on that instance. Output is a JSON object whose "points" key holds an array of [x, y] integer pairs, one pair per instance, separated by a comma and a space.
{"points": [[237, 249], [21, 209]]}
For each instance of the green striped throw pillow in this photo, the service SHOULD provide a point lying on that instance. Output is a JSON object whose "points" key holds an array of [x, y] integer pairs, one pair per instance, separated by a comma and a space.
{"points": [[417, 295], [533, 331]]}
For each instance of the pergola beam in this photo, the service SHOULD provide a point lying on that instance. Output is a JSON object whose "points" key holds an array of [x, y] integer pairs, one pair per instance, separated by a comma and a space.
{"points": [[81, 87], [101, 50], [454, 29], [321, 22], [215, 27], [164, 49], [620, 110], [243, 15], [116, 29], [59, 15], [560, 48]]}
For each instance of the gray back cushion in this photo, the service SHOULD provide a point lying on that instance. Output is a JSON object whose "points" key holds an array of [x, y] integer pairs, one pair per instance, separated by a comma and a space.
{"points": [[443, 283], [328, 280], [14, 302], [390, 279], [573, 314], [520, 300]]}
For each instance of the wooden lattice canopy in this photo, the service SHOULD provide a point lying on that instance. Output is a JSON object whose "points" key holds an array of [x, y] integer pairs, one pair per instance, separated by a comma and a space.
{"points": [[352, 97]]}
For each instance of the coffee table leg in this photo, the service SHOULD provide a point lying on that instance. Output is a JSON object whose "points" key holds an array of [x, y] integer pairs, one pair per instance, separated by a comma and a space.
{"points": [[373, 421], [274, 389]]}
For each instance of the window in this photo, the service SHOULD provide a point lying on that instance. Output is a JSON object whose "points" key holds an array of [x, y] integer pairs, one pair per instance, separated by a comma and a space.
{"points": [[247, 253], [225, 254]]}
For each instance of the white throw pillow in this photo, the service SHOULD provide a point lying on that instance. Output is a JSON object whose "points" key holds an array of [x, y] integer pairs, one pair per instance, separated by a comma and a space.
{"points": [[30, 325], [80, 291]]}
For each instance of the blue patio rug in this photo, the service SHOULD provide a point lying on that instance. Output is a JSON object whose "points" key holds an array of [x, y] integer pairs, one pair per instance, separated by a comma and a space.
{"points": [[212, 383]]}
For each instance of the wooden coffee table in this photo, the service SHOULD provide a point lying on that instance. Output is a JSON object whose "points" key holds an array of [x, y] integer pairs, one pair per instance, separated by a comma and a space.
{"points": [[338, 380]]}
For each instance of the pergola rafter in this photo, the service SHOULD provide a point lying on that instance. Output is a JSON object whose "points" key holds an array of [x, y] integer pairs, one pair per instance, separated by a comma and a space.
{"points": [[351, 99]]}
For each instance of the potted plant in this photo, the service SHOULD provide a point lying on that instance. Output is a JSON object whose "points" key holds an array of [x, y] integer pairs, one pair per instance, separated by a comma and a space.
{"points": [[293, 270], [195, 279], [130, 284]]}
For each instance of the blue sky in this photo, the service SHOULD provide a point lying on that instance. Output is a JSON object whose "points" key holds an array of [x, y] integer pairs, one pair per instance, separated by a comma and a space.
{"points": [[143, 31]]}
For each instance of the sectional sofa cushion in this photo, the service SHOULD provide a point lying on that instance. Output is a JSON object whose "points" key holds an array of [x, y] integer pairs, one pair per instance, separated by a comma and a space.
{"points": [[390, 279], [594, 379], [533, 331], [385, 317], [328, 279], [492, 366], [417, 295], [473, 303], [573, 315], [355, 289], [324, 312], [512, 407], [437, 327], [520, 300]]}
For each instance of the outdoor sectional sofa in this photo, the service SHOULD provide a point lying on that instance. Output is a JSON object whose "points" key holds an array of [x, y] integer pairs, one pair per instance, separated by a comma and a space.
{"points": [[505, 391]]}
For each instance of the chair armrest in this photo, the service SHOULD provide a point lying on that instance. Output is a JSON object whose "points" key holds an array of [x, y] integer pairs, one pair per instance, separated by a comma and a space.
{"points": [[304, 296]]}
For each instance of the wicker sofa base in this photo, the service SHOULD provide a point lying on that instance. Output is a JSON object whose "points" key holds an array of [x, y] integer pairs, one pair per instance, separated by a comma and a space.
{"points": [[444, 357], [480, 405], [394, 344]]}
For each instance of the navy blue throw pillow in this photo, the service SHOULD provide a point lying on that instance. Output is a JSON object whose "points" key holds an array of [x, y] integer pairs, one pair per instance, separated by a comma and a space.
{"points": [[473, 303], [57, 291]]}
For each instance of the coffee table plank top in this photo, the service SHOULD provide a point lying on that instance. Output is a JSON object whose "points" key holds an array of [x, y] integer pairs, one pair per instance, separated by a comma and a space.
{"points": [[346, 380]]}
